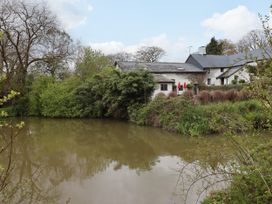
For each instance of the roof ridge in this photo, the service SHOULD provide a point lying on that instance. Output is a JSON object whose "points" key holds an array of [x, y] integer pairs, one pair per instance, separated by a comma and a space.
{"points": [[155, 62]]}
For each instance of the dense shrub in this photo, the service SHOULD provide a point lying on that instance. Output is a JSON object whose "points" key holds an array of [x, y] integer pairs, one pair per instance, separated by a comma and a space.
{"points": [[236, 87], [181, 115], [204, 97], [172, 94], [231, 95], [58, 100], [218, 96], [188, 94], [252, 182], [110, 93], [39, 85]]}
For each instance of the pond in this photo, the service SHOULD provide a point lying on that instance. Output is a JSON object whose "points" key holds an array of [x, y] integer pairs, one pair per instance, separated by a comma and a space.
{"points": [[112, 162]]}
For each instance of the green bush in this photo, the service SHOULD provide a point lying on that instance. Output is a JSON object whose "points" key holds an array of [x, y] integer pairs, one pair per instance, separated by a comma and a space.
{"points": [[58, 100], [108, 93], [181, 115], [252, 182], [111, 93], [39, 85], [193, 122]]}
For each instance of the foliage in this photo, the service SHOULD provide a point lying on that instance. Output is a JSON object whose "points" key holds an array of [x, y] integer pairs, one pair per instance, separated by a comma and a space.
{"points": [[91, 63], [39, 85], [110, 93], [31, 36], [189, 86], [237, 87], [214, 47], [180, 115], [6, 142], [252, 183], [261, 85], [252, 180], [58, 100], [205, 97]]}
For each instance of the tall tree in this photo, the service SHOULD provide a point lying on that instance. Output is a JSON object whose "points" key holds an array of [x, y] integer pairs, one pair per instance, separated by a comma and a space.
{"points": [[91, 62], [31, 35], [149, 54], [214, 47]]}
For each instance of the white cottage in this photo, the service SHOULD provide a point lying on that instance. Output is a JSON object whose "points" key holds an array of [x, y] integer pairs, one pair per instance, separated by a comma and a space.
{"points": [[215, 70], [167, 75], [223, 69]]}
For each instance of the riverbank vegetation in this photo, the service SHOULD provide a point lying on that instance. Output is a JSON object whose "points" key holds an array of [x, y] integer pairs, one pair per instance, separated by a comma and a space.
{"points": [[108, 93], [179, 114], [252, 179], [95, 89]]}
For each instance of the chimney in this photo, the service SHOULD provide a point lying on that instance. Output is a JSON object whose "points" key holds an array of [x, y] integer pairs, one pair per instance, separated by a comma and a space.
{"points": [[202, 50]]}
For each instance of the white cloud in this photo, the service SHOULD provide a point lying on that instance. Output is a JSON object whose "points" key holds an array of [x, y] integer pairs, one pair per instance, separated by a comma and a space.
{"points": [[176, 50], [232, 24], [72, 13], [90, 7]]}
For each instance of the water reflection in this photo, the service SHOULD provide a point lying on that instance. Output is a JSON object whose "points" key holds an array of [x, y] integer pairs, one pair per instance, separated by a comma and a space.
{"points": [[92, 161]]}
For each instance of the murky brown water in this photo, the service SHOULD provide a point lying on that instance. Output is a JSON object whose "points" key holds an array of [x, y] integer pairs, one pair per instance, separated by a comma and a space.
{"points": [[110, 162]]}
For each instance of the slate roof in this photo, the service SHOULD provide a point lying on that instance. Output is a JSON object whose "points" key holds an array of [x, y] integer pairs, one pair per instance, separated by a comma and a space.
{"points": [[160, 67], [218, 61], [162, 79], [230, 72]]}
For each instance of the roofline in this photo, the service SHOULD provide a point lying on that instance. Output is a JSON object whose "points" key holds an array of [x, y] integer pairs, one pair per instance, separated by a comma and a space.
{"points": [[191, 56], [220, 77], [172, 82], [176, 72], [152, 62]]}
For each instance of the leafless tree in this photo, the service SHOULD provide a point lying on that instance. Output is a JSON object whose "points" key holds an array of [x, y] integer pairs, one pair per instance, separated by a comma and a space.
{"points": [[31, 35], [197, 78], [229, 48], [253, 40], [149, 54], [121, 56]]}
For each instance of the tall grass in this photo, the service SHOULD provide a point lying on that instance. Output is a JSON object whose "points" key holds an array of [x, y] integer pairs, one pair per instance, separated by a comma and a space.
{"points": [[180, 114]]}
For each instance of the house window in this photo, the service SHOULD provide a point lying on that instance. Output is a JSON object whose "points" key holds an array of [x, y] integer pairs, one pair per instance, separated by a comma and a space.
{"points": [[209, 81], [222, 69], [164, 87]]}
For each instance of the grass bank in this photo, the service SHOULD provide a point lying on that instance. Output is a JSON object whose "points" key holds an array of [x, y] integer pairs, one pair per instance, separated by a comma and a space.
{"points": [[181, 115]]}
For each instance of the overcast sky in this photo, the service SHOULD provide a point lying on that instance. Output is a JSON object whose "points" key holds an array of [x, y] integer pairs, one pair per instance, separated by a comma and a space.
{"points": [[175, 25]]}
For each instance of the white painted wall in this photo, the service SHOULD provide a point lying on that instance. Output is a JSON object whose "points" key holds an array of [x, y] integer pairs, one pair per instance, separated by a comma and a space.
{"points": [[178, 77], [158, 89], [242, 74], [212, 75]]}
